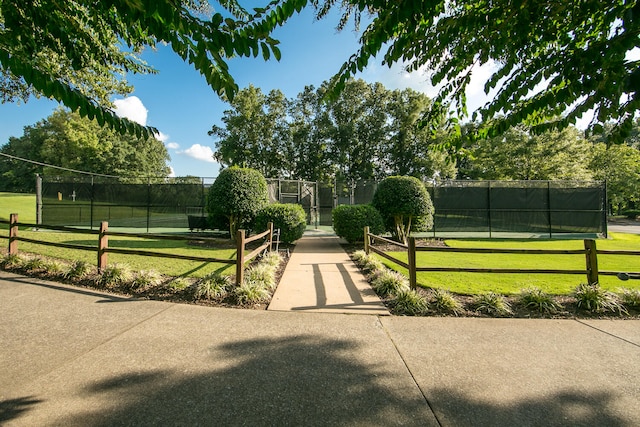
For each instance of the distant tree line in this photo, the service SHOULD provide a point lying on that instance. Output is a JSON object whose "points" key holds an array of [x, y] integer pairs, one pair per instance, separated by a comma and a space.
{"points": [[370, 132], [67, 140]]}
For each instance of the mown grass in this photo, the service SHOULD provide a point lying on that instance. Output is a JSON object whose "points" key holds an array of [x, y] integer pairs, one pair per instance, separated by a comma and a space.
{"points": [[166, 266], [24, 206], [509, 284]]}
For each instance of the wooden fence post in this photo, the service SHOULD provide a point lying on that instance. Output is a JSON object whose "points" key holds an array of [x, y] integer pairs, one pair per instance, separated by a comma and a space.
{"points": [[13, 234], [239, 257], [592, 261], [366, 239], [413, 280], [103, 245], [270, 226]]}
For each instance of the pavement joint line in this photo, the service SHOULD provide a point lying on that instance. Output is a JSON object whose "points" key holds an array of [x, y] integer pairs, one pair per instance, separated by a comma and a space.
{"points": [[608, 333], [86, 352], [413, 378]]}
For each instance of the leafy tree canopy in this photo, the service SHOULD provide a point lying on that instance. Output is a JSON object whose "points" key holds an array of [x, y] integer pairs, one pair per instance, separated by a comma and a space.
{"points": [[401, 200], [237, 195], [254, 133], [367, 132], [619, 165], [518, 154], [75, 51], [552, 58], [66, 139]]}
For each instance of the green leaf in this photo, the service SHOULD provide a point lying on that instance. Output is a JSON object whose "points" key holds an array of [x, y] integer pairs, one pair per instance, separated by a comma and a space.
{"points": [[265, 51]]}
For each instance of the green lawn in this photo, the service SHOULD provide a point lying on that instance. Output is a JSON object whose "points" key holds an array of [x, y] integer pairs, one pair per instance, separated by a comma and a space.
{"points": [[22, 204], [171, 267], [463, 283], [557, 284]]}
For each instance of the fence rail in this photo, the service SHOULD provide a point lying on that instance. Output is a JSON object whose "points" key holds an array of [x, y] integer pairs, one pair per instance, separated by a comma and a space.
{"points": [[590, 252], [102, 247]]}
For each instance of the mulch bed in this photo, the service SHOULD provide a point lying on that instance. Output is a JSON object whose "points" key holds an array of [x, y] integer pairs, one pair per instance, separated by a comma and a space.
{"points": [[570, 309]]}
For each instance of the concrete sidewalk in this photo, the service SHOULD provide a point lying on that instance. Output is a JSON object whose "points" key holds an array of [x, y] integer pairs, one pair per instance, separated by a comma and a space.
{"points": [[73, 357], [320, 277]]}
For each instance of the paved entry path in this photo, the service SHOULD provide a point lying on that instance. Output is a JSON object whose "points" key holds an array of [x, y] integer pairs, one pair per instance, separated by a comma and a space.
{"points": [[320, 277]]}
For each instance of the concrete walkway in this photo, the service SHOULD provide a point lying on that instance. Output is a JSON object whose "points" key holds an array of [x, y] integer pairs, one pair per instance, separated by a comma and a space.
{"points": [[75, 357], [320, 277]]}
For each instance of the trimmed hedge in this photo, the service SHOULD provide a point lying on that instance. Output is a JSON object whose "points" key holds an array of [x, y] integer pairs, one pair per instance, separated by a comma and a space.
{"points": [[401, 200], [236, 197], [349, 221], [290, 218]]}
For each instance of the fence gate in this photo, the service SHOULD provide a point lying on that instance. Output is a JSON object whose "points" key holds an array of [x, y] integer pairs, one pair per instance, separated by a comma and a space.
{"points": [[304, 193]]}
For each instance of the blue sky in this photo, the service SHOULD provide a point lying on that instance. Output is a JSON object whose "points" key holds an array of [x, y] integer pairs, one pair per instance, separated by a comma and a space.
{"points": [[180, 104]]}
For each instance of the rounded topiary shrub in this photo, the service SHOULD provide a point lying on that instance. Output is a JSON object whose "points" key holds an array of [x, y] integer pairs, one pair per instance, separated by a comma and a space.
{"points": [[403, 200], [349, 221], [236, 196], [290, 218], [419, 224]]}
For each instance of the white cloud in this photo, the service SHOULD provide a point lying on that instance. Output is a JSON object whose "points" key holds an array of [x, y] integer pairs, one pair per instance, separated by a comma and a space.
{"points": [[476, 97], [162, 137], [200, 152], [397, 77], [131, 108], [172, 145], [172, 171]]}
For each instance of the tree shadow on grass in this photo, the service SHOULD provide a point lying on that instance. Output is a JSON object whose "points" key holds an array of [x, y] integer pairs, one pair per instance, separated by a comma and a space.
{"points": [[290, 381]]}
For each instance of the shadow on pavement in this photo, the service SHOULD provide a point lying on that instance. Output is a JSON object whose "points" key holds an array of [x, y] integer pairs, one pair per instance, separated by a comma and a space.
{"points": [[70, 288], [290, 381], [312, 381], [568, 408], [13, 408]]}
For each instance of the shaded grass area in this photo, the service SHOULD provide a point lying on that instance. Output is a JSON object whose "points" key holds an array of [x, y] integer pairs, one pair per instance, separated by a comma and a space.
{"points": [[509, 284]]}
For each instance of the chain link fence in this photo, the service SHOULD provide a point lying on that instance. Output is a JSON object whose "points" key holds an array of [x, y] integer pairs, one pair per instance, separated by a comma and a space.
{"points": [[461, 207]]}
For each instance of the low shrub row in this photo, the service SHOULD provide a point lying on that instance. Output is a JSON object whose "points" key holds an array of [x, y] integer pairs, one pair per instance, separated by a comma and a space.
{"points": [[238, 199], [586, 299], [631, 213], [400, 205], [290, 218], [350, 220], [215, 288]]}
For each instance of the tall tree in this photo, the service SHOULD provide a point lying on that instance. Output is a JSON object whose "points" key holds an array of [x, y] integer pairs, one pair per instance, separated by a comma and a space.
{"points": [[66, 50], [368, 132], [411, 150], [520, 155], [619, 165], [356, 128], [67, 140], [551, 58], [255, 133], [309, 139]]}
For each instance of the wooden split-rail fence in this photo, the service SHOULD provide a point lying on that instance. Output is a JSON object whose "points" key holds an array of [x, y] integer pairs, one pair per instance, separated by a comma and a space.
{"points": [[590, 252], [103, 250]]}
